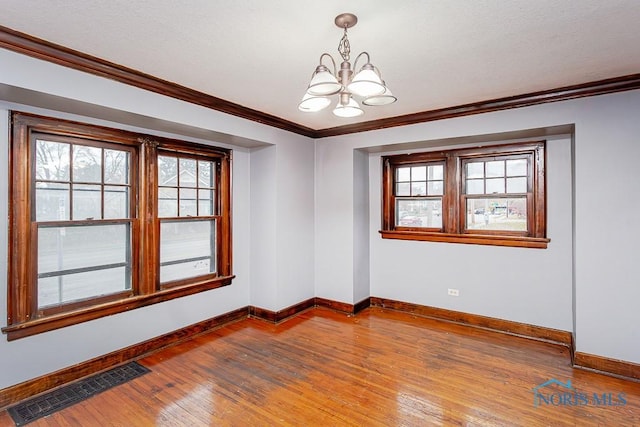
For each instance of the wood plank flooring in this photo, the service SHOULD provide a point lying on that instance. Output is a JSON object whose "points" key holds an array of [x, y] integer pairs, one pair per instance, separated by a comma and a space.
{"points": [[378, 368]]}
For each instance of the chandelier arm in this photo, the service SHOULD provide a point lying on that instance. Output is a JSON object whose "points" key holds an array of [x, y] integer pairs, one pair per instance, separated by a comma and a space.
{"points": [[377, 71], [355, 63], [335, 70]]}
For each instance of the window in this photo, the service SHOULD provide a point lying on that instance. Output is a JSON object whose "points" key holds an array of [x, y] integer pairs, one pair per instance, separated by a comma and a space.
{"points": [[103, 221], [186, 208], [489, 195]]}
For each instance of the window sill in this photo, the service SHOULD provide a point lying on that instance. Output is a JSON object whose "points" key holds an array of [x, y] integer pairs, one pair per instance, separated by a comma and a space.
{"points": [[48, 323], [473, 239]]}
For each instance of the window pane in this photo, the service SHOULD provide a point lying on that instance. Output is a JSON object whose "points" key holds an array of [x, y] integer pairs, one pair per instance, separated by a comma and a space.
{"points": [[475, 186], [403, 189], [517, 185], [507, 214], [63, 248], [419, 213], [167, 171], [517, 167], [436, 172], [116, 167], [169, 273], [403, 174], [475, 170], [435, 188], [419, 173], [205, 202], [418, 188], [52, 201], [87, 201], [167, 202], [116, 202], [495, 185], [52, 161], [495, 169], [87, 164], [188, 202], [72, 287], [204, 173], [187, 173], [82, 262], [187, 249]]}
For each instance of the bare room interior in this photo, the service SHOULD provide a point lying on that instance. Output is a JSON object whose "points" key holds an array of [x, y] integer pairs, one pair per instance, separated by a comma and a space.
{"points": [[319, 213]]}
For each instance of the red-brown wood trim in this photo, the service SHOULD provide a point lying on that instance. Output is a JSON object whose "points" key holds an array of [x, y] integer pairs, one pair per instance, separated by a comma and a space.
{"points": [[359, 306], [42, 49], [498, 325], [61, 320], [599, 87], [37, 48], [607, 366], [18, 392], [279, 316], [335, 305], [472, 239], [343, 306]]}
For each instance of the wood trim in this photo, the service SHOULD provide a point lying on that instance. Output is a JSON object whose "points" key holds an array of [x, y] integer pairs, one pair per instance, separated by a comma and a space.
{"points": [[359, 306], [285, 313], [279, 316], [49, 323], [47, 51], [509, 327], [473, 239], [24, 390], [607, 366], [343, 307], [593, 88]]}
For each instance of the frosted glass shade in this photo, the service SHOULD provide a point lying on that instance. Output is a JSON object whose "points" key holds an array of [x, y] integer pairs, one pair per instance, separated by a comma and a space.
{"points": [[366, 83], [323, 83], [311, 104], [351, 109], [385, 98]]}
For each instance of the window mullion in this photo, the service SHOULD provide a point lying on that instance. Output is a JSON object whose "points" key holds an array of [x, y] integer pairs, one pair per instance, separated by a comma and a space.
{"points": [[451, 195], [149, 246], [224, 206]]}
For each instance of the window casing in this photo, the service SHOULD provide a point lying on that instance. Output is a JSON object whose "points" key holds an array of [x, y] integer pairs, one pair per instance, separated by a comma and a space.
{"points": [[100, 223], [491, 195]]}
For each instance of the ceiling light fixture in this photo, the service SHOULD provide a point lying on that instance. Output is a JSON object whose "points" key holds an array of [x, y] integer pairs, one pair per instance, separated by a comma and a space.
{"points": [[366, 83]]}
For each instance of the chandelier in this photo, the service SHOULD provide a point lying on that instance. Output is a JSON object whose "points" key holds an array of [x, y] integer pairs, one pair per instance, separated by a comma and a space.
{"points": [[366, 83]]}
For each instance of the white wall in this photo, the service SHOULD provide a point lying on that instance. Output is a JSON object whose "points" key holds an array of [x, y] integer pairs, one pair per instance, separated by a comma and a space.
{"points": [[91, 99], [608, 227], [282, 209], [526, 285]]}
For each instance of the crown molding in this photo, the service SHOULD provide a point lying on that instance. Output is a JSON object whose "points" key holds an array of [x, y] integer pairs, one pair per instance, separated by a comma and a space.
{"points": [[47, 51], [600, 87], [42, 49]]}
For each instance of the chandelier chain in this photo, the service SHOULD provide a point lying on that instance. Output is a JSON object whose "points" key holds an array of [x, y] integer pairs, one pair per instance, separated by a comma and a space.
{"points": [[344, 47]]}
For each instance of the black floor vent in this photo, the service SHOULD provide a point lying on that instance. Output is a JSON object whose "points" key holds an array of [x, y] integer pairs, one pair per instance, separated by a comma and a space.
{"points": [[47, 404]]}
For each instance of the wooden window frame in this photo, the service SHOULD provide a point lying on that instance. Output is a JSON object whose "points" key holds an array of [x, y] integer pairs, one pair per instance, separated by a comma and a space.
{"points": [[23, 317], [453, 201]]}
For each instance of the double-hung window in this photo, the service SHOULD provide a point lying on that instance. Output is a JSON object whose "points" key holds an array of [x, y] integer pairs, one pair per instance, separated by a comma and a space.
{"points": [[104, 220], [489, 195]]}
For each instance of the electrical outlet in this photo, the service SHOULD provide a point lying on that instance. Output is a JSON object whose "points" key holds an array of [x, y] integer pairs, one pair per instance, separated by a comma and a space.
{"points": [[453, 292]]}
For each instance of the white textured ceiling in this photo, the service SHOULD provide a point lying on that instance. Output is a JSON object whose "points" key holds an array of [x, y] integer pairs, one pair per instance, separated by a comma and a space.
{"points": [[432, 53]]}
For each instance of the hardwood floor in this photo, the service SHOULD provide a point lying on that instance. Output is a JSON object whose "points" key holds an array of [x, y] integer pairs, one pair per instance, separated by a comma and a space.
{"points": [[378, 368]]}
